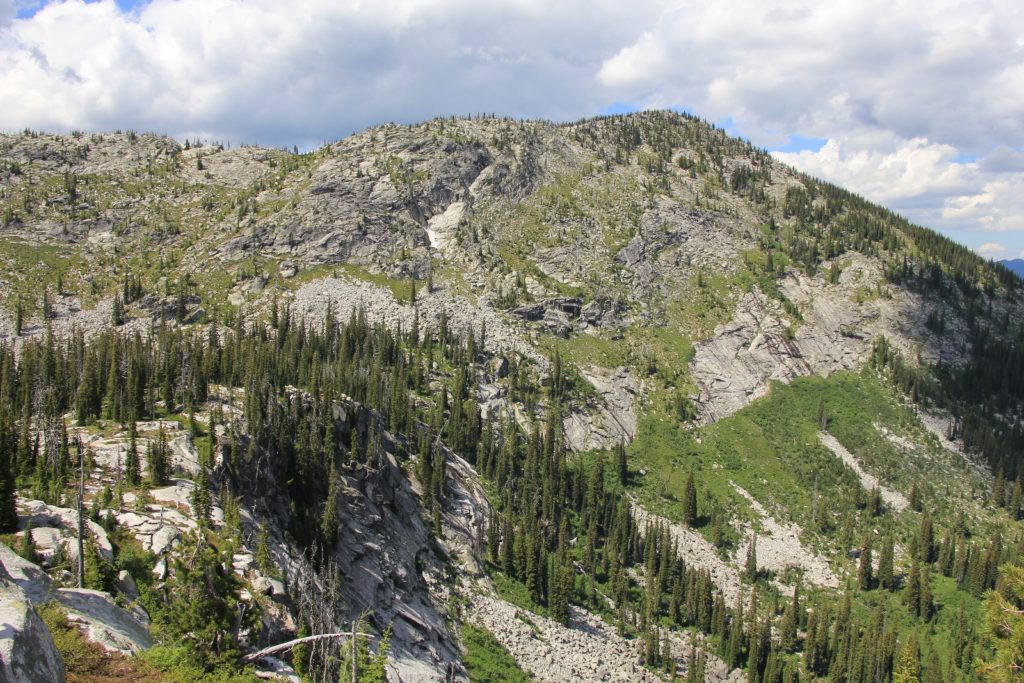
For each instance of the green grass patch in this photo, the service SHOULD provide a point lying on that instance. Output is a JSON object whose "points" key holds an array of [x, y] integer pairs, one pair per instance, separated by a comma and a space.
{"points": [[771, 449], [487, 660], [515, 592], [87, 661]]}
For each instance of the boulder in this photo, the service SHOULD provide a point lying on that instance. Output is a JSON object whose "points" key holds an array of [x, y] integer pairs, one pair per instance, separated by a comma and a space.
{"points": [[30, 578], [164, 539], [126, 585], [27, 651], [264, 585], [64, 519], [103, 621]]}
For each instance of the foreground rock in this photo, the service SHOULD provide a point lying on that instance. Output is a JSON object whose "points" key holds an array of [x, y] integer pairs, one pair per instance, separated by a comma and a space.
{"points": [[27, 651], [102, 621]]}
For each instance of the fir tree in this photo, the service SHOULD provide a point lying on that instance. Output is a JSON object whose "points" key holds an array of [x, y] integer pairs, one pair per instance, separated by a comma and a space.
{"points": [[159, 457], [621, 464], [912, 592], [690, 501], [864, 568], [8, 497], [329, 518], [132, 474], [908, 666], [750, 565], [27, 548], [202, 498], [886, 576]]}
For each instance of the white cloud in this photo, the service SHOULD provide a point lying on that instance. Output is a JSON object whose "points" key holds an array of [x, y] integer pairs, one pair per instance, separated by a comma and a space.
{"points": [[902, 90], [924, 181], [992, 250], [912, 69], [304, 72]]}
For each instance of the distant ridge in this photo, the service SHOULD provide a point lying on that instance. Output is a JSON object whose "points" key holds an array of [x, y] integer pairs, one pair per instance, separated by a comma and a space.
{"points": [[1016, 265]]}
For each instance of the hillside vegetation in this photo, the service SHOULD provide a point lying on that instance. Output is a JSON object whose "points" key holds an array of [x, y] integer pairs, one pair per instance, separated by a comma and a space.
{"points": [[620, 399]]}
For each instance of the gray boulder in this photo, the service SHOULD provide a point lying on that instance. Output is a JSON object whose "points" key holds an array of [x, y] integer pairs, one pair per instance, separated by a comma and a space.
{"points": [[103, 621], [27, 651]]}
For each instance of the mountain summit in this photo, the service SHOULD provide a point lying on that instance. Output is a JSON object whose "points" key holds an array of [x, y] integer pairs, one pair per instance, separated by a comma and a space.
{"points": [[618, 399]]}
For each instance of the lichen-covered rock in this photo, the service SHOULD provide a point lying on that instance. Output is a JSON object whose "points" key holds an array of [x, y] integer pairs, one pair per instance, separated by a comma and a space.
{"points": [[27, 650], [103, 621]]}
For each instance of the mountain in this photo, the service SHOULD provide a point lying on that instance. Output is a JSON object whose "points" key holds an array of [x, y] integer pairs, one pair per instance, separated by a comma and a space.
{"points": [[605, 400], [1016, 265]]}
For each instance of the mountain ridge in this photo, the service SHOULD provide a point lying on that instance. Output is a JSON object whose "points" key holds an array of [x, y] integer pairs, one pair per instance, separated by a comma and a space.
{"points": [[543, 298]]}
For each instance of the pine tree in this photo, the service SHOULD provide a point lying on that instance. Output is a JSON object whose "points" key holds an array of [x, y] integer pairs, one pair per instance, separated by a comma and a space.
{"points": [[207, 620], [926, 540], [788, 628], [132, 474], [202, 498], [914, 498], [926, 606], [263, 558], [329, 518], [750, 565], [621, 464], [912, 592], [864, 568], [159, 456], [886, 576], [690, 501], [28, 546], [1004, 627], [99, 574], [8, 497], [907, 668]]}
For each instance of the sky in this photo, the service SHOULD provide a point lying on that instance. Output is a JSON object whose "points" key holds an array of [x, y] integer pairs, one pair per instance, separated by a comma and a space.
{"points": [[916, 105]]}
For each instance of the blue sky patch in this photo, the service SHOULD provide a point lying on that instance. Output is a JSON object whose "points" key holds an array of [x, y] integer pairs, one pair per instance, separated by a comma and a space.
{"points": [[619, 108], [798, 143]]}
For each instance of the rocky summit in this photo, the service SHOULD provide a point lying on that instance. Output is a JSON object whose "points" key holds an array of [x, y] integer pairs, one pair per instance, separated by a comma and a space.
{"points": [[482, 399]]}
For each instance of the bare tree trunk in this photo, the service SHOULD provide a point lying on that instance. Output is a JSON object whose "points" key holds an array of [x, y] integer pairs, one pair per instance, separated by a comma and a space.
{"points": [[81, 505], [281, 647]]}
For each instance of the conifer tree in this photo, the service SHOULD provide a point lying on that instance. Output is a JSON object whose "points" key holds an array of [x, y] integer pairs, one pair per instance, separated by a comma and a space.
{"points": [[8, 497], [864, 568], [27, 548], [750, 566], [908, 666], [263, 558], [690, 501], [329, 518], [621, 464], [132, 474], [912, 592], [202, 498], [926, 605], [159, 456], [886, 576]]}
